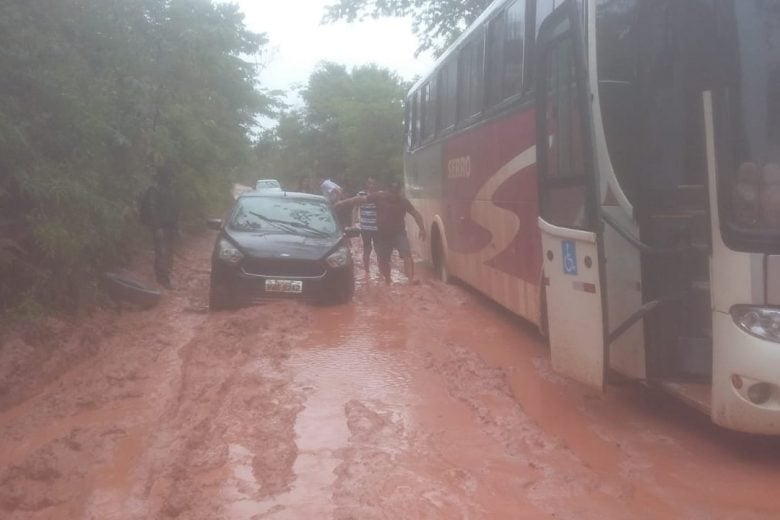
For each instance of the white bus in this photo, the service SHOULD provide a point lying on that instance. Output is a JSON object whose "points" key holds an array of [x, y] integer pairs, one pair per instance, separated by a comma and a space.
{"points": [[610, 170]]}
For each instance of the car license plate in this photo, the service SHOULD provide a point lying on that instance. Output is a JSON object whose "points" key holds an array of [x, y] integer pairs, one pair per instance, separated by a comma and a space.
{"points": [[284, 286]]}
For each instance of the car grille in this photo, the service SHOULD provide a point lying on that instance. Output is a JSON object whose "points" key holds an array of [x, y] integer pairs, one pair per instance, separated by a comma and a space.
{"points": [[283, 267]]}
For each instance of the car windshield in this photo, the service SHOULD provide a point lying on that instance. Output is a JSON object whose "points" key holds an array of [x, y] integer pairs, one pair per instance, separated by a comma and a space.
{"points": [[267, 184], [284, 215]]}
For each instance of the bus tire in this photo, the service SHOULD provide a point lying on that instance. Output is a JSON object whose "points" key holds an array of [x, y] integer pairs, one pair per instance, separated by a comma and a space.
{"points": [[438, 256]]}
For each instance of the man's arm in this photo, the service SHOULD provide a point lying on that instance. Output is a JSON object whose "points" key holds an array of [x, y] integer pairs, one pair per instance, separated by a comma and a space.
{"points": [[355, 213], [350, 202], [356, 209], [417, 218]]}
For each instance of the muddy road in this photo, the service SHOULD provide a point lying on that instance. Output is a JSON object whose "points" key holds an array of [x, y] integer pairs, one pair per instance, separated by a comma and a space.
{"points": [[412, 402]]}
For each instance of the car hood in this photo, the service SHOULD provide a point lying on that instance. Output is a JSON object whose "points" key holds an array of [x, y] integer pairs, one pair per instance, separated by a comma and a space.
{"points": [[273, 245]]}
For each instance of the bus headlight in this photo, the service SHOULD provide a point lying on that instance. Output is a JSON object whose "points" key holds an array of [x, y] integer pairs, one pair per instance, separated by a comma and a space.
{"points": [[763, 322]]}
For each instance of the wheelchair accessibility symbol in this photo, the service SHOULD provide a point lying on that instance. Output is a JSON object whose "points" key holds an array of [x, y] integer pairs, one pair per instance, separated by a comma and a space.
{"points": [[569, 255]]}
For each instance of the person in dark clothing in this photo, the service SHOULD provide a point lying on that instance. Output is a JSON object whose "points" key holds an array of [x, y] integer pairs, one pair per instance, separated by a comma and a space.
{"points": [[391, 209], [160, 213]]}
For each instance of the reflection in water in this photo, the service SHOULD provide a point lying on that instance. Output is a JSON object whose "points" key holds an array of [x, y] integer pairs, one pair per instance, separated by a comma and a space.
{"points": [[332, 370]]}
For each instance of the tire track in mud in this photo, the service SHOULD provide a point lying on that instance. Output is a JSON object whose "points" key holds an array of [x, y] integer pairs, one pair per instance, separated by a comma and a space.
{"points": [[62, 435], [395, 468], [71, 427], [545, 471], [392, 468], [405, 404], [555, 478], [174, 413], [232, 397]]}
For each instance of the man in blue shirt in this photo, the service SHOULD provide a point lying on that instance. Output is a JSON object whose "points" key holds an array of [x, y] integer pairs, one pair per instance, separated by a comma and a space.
{"points": [[367, 220]]}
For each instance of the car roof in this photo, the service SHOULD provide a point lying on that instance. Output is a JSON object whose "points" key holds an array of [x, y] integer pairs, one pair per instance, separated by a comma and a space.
{"points": [[281, 194]]}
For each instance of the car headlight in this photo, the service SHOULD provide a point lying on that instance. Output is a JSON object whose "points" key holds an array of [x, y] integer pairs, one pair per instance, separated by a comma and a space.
{"points": [[227, 252], [339, 258], [763, 322]]}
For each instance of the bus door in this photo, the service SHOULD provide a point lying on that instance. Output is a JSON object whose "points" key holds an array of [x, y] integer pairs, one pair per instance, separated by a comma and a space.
{"points": [[568, 204]]}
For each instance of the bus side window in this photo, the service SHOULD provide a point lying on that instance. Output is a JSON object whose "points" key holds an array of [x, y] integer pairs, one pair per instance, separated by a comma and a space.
{"points": [[494, 59], [616, 42], [538, 10], [428, 108], [543, 10], [514, 47], [447, 98], [471, 78], [415, 119], [565, 198], [433, 107], [408, 123]]}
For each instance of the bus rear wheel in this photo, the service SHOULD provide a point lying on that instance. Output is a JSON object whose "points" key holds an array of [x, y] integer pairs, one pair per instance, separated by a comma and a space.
{"points": [[437, 255]]}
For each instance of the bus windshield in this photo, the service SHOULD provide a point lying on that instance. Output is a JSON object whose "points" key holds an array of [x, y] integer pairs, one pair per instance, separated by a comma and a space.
{"points": [[752, 172]]}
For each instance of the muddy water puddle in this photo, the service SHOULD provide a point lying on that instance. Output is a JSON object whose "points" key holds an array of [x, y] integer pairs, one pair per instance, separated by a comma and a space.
{"points": [[423, 402], [344, 364]]}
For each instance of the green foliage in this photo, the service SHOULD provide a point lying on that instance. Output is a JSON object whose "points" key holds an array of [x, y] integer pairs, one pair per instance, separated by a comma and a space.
{"points": [[93, 93], [351, 127], [437, 23]]}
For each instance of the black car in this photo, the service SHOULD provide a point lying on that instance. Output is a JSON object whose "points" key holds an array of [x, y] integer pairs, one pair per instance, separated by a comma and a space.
{"points": [[280, 245]]}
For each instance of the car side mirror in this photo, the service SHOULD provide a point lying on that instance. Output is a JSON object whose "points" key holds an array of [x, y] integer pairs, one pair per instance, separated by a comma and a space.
{"points": [[214, 223], [352, 232]]}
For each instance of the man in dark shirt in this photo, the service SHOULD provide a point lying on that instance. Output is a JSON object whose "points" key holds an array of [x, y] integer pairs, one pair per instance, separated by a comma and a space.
{"points": [[391, 210], [160, 213]]}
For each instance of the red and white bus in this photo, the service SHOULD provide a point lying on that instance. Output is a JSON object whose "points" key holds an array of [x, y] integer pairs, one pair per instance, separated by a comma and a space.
{"points": [[610, 171]]}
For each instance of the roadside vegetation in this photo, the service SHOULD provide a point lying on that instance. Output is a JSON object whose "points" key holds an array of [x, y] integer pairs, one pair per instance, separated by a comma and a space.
{"points": [[437, 23], [349, 127], [93, 95]]}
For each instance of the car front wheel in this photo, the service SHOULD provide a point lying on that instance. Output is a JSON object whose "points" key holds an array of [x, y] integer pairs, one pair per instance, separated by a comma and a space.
{"points": [[218, 297], [343, 294]]}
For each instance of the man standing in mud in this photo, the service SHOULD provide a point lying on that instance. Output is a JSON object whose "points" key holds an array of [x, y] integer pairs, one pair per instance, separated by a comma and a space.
{"points": [[160, 213], [367, 219], [391, 210]]}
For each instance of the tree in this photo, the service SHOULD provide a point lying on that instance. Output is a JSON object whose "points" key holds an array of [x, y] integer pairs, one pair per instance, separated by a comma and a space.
{"points": [[91, 92], [350, 127], [437, 23]]}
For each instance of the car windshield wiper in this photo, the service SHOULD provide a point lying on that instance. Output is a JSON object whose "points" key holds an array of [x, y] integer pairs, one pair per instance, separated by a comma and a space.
{"points": [[279, 224], [290, 224], [300, 225]]}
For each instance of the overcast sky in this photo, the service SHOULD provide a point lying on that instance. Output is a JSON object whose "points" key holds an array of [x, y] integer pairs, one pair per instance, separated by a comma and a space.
{"points": [[298, 41]]}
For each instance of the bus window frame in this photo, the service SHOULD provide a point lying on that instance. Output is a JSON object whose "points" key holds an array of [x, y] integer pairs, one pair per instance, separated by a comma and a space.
{"points": [[509, 5], [416, 121], [462, 120], [524, 98], [589, 178], [427, 102], [493, 79], [444, 82]]}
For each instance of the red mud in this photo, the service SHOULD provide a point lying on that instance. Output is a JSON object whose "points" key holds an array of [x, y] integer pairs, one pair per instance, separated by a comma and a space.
{"points": [[412, 402]]}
